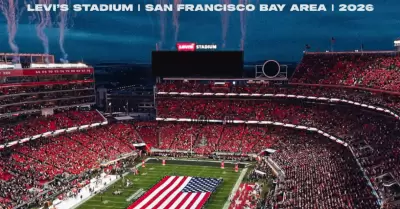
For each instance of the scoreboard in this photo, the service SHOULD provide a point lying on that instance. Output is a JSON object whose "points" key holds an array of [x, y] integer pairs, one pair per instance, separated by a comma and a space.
{"points": [[189, 62]]}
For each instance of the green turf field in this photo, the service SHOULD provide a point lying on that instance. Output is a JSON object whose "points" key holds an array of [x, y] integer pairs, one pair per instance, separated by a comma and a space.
{"points": [[154, 173]]}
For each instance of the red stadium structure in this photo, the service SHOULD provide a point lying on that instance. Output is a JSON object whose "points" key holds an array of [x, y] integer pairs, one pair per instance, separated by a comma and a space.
{"points": [[328, 136], [39, 86]]}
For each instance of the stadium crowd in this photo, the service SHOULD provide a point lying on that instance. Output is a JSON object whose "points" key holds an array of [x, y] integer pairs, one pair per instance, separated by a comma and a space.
{"points": [[364, 96], [25, 126], [33, 163], [372, 70], [25, 168], [360, 129], [319, 173]]}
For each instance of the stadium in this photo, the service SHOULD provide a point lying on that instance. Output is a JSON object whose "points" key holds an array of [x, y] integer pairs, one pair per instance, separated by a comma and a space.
{"points": [[323, 136]]}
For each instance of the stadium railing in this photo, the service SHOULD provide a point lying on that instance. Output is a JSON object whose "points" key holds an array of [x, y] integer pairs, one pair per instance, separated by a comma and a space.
{"points": [[347, 87]]}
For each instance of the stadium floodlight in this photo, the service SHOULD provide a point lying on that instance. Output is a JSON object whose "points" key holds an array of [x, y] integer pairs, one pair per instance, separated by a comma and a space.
{"points": [[6, 66]]}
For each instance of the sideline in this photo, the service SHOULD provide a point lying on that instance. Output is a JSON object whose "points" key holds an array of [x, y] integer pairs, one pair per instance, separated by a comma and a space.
{"points": [[72, 202], [102, 187], [235, 188], [86, 192]]}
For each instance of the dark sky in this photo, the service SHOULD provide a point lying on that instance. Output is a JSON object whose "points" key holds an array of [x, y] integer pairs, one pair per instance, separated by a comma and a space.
{"points": [[131, 36]]}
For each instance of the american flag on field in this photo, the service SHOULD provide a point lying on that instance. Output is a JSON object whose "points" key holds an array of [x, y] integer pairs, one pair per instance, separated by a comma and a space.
{"points": [[180, 192]]}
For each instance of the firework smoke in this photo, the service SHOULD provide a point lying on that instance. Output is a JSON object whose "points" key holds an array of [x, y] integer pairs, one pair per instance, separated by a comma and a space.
{"points": [[225, 22], [163, 22], [243, 25], [62, 24], [44, 20], [176, 18], [10, 10]]}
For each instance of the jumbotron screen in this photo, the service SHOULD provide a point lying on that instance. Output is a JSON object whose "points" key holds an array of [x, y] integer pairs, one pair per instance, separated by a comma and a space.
{"points": [[197, 63]]}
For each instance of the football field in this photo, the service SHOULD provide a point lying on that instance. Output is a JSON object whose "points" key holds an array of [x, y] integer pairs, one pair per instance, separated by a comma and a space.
{"points": [[153, 173]]}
